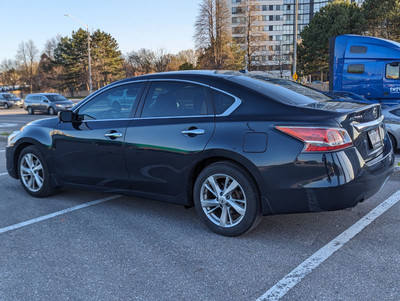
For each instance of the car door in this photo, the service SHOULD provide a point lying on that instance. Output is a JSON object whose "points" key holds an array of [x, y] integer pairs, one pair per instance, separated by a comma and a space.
{"points": [[90, 150], [171, 130]]}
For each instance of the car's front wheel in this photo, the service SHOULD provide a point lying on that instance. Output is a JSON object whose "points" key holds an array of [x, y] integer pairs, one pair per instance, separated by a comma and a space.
{"points": [[226, 199], [6, 106], [51, 111], [34, 172], [30, 111]]}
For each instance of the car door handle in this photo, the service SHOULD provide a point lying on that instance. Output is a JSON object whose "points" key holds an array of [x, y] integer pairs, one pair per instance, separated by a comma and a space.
{"points": [[113, 135], [193, 132]]}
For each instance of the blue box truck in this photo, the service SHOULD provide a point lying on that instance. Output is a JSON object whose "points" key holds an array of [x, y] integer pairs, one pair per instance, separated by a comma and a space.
{"points": [[367, 66]]}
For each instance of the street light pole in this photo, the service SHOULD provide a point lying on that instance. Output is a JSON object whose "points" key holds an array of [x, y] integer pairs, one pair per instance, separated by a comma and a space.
{"points": [[296, 13], [89, 58]]}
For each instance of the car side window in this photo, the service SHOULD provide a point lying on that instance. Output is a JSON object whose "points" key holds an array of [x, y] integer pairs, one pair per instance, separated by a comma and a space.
{"points": [[221, 101], [175, 99], [114, 103]]}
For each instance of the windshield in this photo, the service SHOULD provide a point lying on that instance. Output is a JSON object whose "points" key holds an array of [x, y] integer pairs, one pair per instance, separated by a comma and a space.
{"points": [[56, 98], [10, 96]]}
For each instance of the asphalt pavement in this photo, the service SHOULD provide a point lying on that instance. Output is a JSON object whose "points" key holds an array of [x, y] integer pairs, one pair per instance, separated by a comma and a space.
{"points": [[86, 245]]}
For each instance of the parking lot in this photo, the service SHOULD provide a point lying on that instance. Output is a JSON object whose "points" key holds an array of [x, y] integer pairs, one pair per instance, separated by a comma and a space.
{"points": [[85, 245]]}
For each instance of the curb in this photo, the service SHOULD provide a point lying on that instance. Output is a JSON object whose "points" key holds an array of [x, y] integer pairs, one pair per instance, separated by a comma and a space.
{"points": [[4, 137]]}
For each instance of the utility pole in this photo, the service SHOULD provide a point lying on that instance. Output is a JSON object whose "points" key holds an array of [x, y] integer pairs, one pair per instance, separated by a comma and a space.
{"points": [[296, 13], [89, 58]]}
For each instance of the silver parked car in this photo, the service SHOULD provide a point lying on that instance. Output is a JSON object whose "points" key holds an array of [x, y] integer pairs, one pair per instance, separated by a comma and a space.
{"points": [[51, 103], [8, 100], [392, 121]]}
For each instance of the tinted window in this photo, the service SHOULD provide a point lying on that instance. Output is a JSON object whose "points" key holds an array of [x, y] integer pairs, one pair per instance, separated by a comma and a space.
{"points": [[9, 96], [356, 68], [396, 112], [175, 99], [358, 49], [114, 103], [55, 98], [221, 102], [392, 71], [282, 90]]}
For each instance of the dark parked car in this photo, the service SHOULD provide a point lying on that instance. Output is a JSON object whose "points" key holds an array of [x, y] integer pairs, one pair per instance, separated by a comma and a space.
{"points": [[52, 103], [8, 100], [236, 146]]}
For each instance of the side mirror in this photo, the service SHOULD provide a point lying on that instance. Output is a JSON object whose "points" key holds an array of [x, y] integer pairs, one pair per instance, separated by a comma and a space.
{"points": [[66, 116]]}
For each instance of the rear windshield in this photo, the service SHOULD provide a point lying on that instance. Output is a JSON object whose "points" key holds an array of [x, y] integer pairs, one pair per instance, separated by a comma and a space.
{"points": [[56, 98], [282, 90]]}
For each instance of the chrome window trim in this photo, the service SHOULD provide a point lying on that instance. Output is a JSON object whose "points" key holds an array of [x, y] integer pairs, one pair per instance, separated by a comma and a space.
{"points": [[237, 101], [146, 118], [232, 107]]}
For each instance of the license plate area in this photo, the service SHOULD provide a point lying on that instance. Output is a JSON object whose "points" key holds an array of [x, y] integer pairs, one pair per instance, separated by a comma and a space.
{"points": [[375, 138]]}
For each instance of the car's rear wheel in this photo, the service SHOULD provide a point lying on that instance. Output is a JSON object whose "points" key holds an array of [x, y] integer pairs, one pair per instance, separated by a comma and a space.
{"points": [[30, 111], [6, 106], [51, 111], [34, 173], [226, 199]]}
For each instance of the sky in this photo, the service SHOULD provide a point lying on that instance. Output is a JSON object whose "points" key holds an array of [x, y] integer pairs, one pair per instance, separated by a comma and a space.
{"points": [[134, 24]]}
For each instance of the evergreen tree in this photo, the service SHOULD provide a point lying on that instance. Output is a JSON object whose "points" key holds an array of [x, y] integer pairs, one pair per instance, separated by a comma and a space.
{"points": [[336, 18]]}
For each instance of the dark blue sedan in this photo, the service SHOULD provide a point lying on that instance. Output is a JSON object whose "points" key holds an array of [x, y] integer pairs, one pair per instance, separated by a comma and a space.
{"points": [[236, 146]]}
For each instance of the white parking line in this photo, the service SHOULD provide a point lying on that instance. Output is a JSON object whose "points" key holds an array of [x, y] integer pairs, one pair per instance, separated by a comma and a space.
{"points": [[2, 151], [3, 174], [306, 267], [51, 215]]}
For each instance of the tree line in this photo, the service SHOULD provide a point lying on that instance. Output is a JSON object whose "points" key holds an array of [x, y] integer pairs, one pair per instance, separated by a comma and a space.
{"points": [[63, 65]]}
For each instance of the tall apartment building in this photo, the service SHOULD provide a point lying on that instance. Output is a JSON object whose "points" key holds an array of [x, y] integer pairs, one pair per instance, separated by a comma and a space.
{"points": [[277, 20]]}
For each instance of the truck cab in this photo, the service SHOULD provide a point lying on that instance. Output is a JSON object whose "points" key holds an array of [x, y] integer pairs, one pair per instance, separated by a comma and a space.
{"points": [[367, 66]]}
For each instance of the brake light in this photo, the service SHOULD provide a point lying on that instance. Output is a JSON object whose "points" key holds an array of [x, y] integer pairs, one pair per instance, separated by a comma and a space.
{"points": [[319, 139]]}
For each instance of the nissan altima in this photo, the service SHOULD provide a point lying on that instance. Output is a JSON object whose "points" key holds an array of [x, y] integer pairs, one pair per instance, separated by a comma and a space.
{"points": [[235, 145]]}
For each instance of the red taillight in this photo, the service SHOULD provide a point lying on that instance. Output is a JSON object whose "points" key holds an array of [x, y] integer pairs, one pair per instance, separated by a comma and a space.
{"points": [[319, 139]]}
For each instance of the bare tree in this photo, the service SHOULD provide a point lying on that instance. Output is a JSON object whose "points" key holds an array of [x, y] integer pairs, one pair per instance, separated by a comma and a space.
{"points": [[212, 31], [51, 45], [9, 72], [27, 54], [161, 60], [141, 62], [188, 56], [252, 34]]}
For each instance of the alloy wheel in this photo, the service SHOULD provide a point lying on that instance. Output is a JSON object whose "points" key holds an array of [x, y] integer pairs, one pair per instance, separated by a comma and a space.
{"points": [[223, 200], [31, 172]]}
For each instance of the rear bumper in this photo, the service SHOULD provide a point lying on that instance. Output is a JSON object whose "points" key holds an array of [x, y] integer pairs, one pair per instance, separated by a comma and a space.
{"points": [[326, 182]]}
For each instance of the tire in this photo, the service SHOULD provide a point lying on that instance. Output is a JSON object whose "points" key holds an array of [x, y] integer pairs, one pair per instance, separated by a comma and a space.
{"points": [[34, 173], [225, 211], [393, 140], [30, 110], [6, 106], [51, 111]]}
